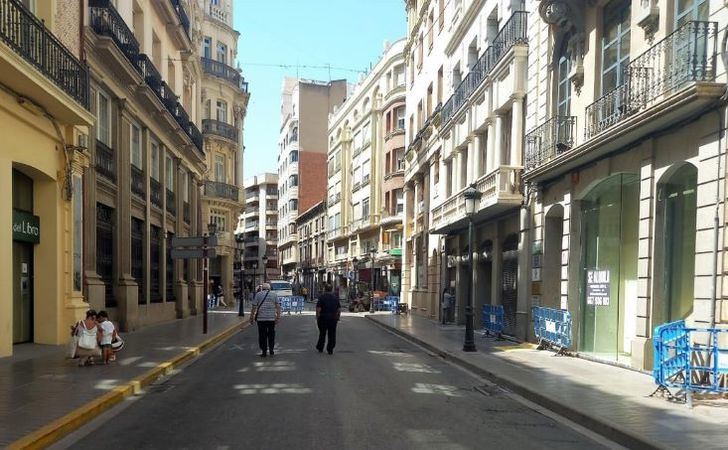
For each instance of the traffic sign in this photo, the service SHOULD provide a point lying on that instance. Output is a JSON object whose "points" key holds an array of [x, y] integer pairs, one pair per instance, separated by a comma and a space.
{"points": [[192, 253], [193, 241]]}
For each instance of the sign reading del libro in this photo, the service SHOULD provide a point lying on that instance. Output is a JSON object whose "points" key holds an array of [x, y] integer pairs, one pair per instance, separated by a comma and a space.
{"points": [[597, 287], [26, 227]]}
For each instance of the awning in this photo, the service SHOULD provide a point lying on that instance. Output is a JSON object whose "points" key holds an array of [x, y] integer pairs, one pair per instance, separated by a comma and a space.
{"points": [[396, 252]]}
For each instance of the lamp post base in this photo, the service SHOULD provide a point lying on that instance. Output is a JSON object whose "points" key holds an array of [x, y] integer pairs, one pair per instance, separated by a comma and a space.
{"points": [[469, 344]]}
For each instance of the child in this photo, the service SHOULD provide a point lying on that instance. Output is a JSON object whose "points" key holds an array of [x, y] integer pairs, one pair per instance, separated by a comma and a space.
{"points": [[107, 335]]}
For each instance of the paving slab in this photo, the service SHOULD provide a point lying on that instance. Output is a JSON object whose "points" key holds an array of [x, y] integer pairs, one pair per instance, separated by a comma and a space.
{"points": [[40, 385], [591, 393]]}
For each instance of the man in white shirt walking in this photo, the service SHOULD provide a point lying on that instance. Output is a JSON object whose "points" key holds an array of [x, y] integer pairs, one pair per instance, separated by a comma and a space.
{"points": [[266, 312]]}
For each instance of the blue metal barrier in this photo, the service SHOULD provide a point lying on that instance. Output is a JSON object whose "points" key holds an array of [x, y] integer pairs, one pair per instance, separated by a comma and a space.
{"points": [[690, 359], [285, 303], [492, 319], [292, 303], [390, 303], [552, 326]]}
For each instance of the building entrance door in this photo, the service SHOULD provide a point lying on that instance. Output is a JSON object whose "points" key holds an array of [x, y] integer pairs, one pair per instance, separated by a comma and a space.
{"points": [[22, 292]]}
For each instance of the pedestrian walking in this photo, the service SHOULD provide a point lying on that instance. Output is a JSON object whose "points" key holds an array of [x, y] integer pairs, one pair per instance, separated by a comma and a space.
{"points": [[266, 312], [220, 295], [448, 301], [328, 312]]}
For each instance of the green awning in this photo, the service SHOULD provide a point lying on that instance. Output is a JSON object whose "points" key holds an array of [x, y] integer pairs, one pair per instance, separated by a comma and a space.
{"points": [[395, 252]]}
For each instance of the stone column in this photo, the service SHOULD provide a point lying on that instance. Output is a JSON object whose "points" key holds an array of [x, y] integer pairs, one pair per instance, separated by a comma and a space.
{"points": [[95, 291], [476, 161], [491, 150], [470, 167], [126, 290], [182, 302], [498, 143], [517, 132], [457, 172], [194, 284], [444, 178]]}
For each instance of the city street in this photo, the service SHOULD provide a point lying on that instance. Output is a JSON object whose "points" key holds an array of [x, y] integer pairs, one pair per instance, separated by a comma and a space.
{"points": [[376, 391]]}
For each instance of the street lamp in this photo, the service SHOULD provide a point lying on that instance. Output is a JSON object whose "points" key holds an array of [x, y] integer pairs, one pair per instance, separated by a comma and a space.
{"points": [[372, 253], [472, 196], [265, 268], [241, 307]]}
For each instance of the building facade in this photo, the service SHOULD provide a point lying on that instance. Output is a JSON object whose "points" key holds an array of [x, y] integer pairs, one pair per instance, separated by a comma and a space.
{"points": [[311, 226], [625, 167], [44, 160], [467, 64], [224, 96], [148, 159], [305, 106], [258, 230], [366, 178]]}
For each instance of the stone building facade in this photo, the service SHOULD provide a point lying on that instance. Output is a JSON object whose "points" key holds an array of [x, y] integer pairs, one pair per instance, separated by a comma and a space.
{"points": [[258, 229]]}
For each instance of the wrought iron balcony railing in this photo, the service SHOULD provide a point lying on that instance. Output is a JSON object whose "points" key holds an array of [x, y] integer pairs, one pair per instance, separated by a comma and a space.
{"points": [[137, 182], [182, 14], [222, 70], [155, 192], [220, 128], [515, 31], [28, 37], [221, 190], [171, 202], [106, 21], [105, 162], [686, 56], [549, 140]]}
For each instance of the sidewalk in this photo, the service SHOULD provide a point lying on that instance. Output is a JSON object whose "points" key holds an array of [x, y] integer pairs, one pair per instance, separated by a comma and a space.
{"points": [[606, 399], [39, 385]]}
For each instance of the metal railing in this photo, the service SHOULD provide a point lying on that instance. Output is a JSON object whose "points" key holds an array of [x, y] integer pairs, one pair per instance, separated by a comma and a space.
{"points": [[28, 37], [171, 202], [221, 190], [222, 70], [155, 192], [137, 182], [220, 128], [182, 14], [515, 31], [106, 21], [686, 56], [105, 163], [550, 139]]}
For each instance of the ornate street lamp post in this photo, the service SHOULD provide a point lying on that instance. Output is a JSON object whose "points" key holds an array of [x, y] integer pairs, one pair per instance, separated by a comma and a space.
{"points": [[265, 268], [372, 253], [472, 196]]}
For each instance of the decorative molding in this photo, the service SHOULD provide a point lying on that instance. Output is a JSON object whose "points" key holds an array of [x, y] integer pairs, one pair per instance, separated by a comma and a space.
{"points": [[649, 19]]}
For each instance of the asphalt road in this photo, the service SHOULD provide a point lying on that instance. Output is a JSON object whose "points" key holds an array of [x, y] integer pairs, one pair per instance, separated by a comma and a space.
{"points": [[376, 391]]}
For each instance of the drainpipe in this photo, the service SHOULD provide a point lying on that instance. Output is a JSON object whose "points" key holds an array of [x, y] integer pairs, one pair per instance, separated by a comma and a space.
{"points": [[716, 224]]}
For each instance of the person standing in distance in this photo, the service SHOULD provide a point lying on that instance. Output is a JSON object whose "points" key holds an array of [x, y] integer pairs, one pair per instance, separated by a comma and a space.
{"points": [[266, 312], [328, 312]]}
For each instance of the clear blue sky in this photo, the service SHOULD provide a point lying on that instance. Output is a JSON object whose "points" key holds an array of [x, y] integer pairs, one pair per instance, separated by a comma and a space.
{"points": [[342, 33]]}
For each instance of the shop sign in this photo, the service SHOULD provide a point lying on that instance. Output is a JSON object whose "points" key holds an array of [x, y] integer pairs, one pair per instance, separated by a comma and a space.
{"points": [[597, 287], [26, 227]]}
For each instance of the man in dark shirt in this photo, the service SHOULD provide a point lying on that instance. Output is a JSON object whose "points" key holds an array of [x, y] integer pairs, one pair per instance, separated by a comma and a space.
{"points": [[328, 311]]}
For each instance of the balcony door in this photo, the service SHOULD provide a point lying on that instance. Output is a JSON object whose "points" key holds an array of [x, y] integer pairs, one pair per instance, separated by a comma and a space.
{"points": [[688, 10], [615, 44], [691, 41]]}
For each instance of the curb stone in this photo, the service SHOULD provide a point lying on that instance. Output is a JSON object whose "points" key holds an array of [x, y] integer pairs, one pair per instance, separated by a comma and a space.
{"points": [[600, 426], [54, 431]]}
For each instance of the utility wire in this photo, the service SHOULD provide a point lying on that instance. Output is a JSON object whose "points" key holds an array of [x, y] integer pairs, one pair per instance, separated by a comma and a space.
{"points": [[303, 66]]}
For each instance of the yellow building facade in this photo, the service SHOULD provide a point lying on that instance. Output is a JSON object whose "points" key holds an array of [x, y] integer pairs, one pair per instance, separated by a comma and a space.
{"points": [[44, 120]]}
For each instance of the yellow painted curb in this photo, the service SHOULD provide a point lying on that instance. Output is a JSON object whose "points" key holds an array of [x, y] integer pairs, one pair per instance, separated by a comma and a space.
{"points": [[48, 434]]}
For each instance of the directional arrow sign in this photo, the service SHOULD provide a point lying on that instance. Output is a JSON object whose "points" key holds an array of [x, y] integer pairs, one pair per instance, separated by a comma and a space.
{"points": [[193, 241], [192, 253]]}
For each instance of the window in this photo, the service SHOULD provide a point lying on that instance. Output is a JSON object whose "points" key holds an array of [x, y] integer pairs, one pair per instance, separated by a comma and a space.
{"points": [[420, 54], [207, 47], [293, 181], [222, 53], [294, 156], [563, 84], [293, 205], [136, 146], [399, 75], [439, 85], [169, 173], [687, 10], [399, 195], [441, 14], [220, 168], [615, 44], [430, 29], [399, 113], [357, 211], [365, 208], [103, 127], [399, 157], [155, 161], [366, 133], [428, 111], [221, 111], [184, 183]]}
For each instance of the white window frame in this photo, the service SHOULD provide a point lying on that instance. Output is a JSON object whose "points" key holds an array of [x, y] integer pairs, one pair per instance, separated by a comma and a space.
{"points": [[135, 148], [103, 133]]}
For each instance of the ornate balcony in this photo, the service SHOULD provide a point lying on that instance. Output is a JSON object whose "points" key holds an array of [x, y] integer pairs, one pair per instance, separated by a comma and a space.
{"points": [[171, 202], [137, 182], [549, 140], [182, 14], [155, 192], [221, 190], [685, 57], [105, 162], [225, 72], [219, 128], [515, 31], [28, 37], [500, 191]]}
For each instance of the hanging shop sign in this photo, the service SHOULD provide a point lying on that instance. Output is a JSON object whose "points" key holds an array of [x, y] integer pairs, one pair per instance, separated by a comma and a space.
{"points": [[597, 287], [26, 227]]}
